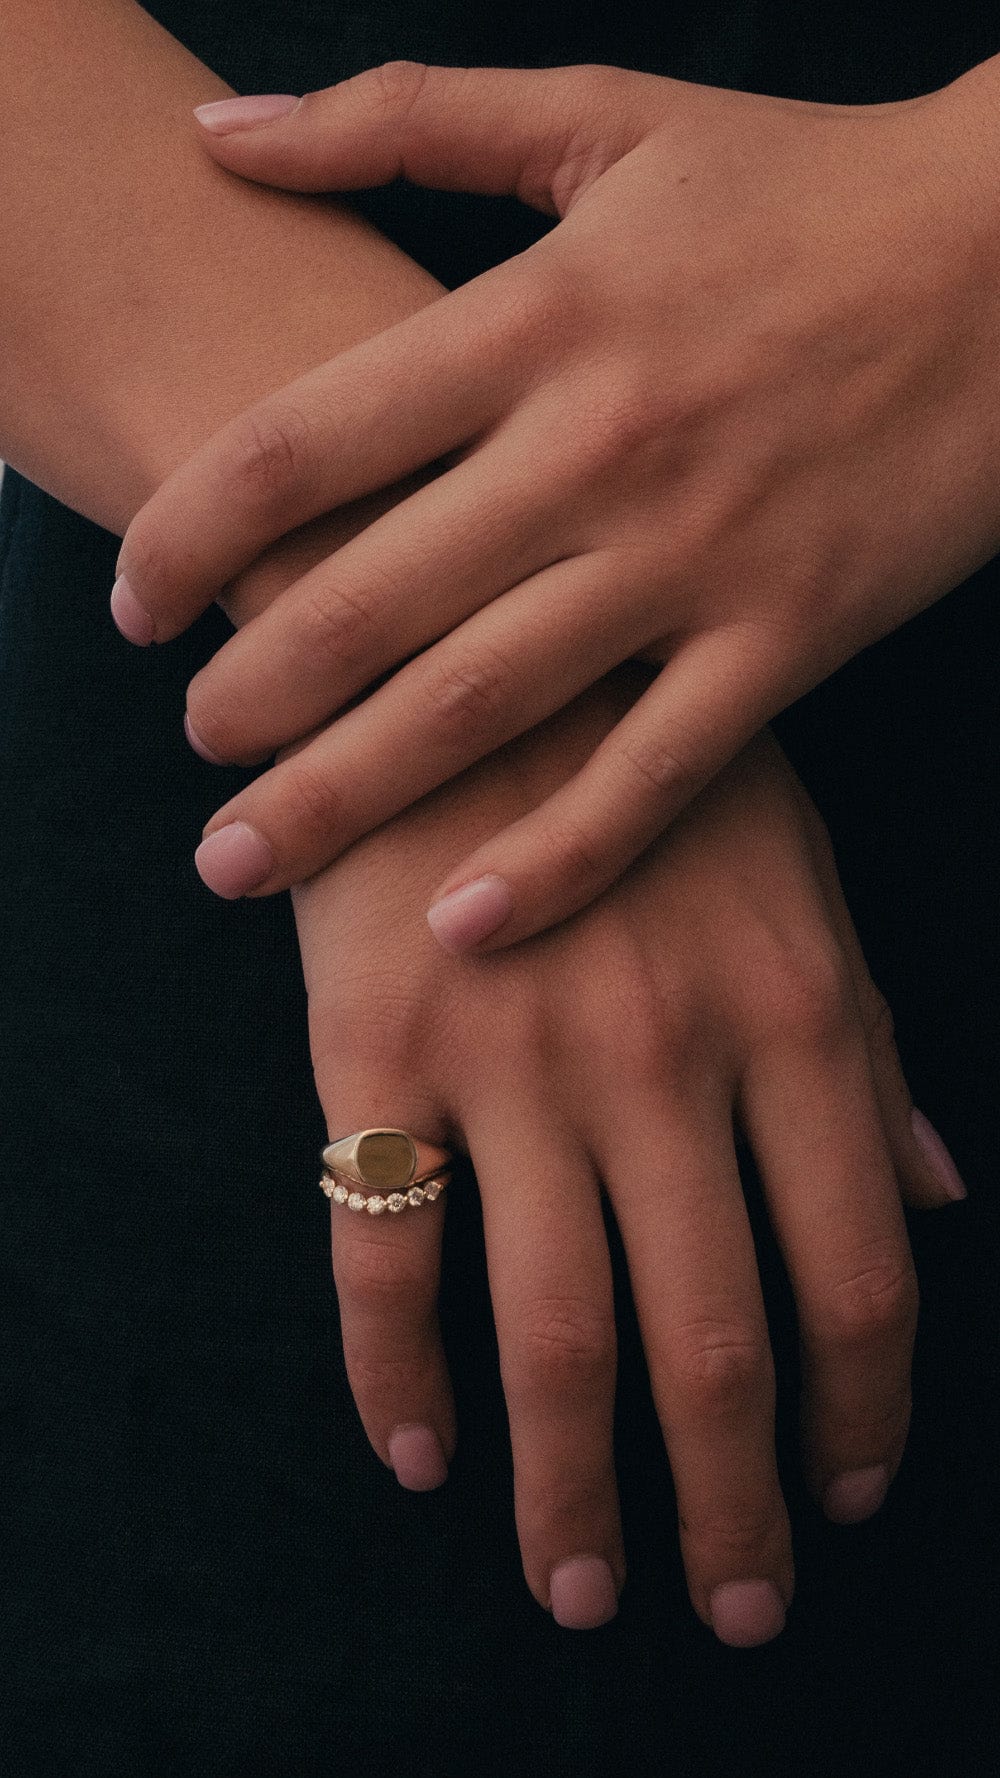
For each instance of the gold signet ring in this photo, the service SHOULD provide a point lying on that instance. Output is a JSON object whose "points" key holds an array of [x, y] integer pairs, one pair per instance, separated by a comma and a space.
{"points": [[388, 1160]]}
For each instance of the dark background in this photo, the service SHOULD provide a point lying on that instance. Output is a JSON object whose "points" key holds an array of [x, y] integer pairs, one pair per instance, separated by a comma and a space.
{"points": [[206, 1570]]}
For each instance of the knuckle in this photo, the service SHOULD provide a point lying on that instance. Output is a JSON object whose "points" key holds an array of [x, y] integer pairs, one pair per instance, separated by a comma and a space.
{"points": [[590, 107], [379, 1019], [580, 1492], [544, 311], [880, 1425], [393, 88], [566, 1341], [468, 698], [804, 994], [338, 629], [272, 458], [656, 1042], [879, 1021], [734, 1539], [532, 318], [625, 420], [381, 1376], [657, 764], [818, 835], [650, 1028], [716, 1367], [311, 801], [645, 1051], [380, 1276], [573, 858], [880, 1297]]}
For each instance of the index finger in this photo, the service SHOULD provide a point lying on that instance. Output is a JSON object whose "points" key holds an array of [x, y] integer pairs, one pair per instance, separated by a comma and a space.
{"points": [[359, 422]]}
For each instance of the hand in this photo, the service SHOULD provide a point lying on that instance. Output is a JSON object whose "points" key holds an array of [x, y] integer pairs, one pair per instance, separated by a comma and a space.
{"points": [[738, 412], [721, 973]]}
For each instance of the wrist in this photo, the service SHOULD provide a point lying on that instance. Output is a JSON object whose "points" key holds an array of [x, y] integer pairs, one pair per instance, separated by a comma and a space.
{"points": [[330, 300]]}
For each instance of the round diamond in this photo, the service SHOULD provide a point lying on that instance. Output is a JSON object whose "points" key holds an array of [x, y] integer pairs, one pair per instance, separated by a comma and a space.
{"points": [[396, 1200], [416, 1194], [327, 1186], [432, 1189], [340, 1193], [356, 1201], [375, 1205]]}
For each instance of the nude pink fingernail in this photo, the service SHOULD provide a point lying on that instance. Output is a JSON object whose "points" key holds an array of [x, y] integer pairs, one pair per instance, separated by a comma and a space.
{"points": [[745, 1612], [937, 1156], [244, 113], [132, 619], [583, 1593], [856, 1494], [471, 913], [234, 859], [417, 1457]]}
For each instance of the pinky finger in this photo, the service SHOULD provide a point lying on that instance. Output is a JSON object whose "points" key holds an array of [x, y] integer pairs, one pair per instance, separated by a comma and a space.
{"points": [[699, 711], [928, 1177]]}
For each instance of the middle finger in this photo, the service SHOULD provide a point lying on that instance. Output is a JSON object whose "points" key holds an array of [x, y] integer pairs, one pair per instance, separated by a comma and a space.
{"points": [[551, 1285]]}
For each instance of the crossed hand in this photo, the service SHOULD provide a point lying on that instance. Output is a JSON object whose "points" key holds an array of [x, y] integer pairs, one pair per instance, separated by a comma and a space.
{"points": [[736, 413]]}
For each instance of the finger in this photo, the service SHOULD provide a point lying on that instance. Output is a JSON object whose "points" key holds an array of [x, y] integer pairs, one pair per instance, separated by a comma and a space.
{"points": [[673, 1181], [452, 705], [701, 709], [387, 1270], [810, 1112], [927, 1175], [409, 578], [539, 133], [375, 413], [550, 1281]]}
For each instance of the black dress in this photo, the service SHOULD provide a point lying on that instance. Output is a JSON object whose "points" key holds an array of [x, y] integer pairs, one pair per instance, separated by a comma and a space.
{"points": [[207, 1570]]}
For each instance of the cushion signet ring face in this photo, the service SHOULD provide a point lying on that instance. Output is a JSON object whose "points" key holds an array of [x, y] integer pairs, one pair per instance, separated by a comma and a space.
{"points": [[384, 1159]]}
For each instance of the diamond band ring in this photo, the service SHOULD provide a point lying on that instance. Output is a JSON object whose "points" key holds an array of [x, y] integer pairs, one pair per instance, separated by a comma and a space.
{"points": [[402, 1170]]}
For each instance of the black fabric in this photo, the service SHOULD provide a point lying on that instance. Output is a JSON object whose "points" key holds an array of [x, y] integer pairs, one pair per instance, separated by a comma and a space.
{"points": [[206, 1568]]}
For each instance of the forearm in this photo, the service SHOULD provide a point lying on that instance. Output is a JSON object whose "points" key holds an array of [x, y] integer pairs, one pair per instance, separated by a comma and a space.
{"points": [[146, 295]]}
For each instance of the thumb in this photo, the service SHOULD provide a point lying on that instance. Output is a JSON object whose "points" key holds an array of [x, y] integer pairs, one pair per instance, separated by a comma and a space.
{"points": [[542, 134]]}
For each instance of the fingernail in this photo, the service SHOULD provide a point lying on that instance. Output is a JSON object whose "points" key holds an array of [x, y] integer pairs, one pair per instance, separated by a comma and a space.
{"points": [[856, 1494], [937, 1156], [471, 913], [244, 113], [132, 619], [199, 745], [583, 1593], [416, 1455], [745, 1612], [234, 859]]}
